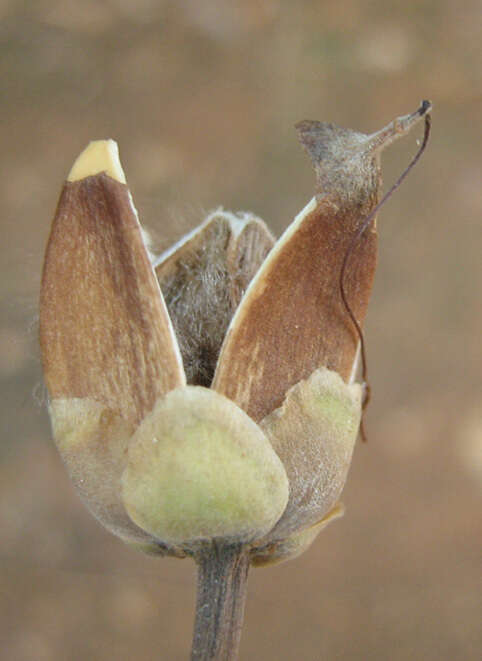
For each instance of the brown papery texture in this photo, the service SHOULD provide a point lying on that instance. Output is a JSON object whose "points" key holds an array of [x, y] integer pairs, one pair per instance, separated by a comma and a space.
{"points": [[203, 279], [292, 320], [104, 329], [201, 97]]}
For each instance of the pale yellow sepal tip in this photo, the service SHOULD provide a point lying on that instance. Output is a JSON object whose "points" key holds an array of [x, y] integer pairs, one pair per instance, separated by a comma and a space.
{"points": [[99, 156]]}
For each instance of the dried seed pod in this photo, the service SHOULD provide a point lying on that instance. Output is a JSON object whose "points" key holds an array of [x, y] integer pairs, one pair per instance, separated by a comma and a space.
{"points": [[169, 467], [250, 469]]}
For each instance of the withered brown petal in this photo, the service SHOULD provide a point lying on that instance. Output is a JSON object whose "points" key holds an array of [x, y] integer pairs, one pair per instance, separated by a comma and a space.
{"points": [[203, 278], [292, 319], [104, 329]]}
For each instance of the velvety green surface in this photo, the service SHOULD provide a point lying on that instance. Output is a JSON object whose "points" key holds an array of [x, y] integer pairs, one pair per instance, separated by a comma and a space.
{"points": [[199, 468]]}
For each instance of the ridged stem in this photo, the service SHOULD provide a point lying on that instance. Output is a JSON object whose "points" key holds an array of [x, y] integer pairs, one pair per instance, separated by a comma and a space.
{"points": [[221, 595]]}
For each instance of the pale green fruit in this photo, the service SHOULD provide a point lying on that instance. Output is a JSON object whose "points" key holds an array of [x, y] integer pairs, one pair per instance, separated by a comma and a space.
{"points": [[199, 468]]}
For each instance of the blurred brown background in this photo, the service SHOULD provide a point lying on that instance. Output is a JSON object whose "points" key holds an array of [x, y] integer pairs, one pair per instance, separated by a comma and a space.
{"points": [[202, 97]]}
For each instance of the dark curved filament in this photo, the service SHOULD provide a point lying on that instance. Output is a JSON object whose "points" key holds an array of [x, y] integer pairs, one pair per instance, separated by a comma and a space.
{"points": [[354, 241]]}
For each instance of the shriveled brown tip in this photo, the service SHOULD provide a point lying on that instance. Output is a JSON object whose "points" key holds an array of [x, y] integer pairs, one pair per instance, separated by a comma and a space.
{"points": [[346, 162], [104, 329], [203, 278], [347, 173], [397, 128]]}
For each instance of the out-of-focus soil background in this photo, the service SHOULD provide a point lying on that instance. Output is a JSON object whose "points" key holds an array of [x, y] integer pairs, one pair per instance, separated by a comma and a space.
{"points": [[202, 97]]}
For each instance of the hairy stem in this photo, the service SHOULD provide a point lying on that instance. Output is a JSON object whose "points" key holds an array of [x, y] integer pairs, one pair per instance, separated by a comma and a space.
{"points": [[221, 594]]}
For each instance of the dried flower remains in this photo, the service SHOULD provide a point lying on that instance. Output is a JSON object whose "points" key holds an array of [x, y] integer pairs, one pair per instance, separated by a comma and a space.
{"points": [[208, 396]]}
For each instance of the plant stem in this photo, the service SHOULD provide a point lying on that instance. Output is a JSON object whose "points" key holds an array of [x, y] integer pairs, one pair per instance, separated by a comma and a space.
{"points": [[221, 594]]}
